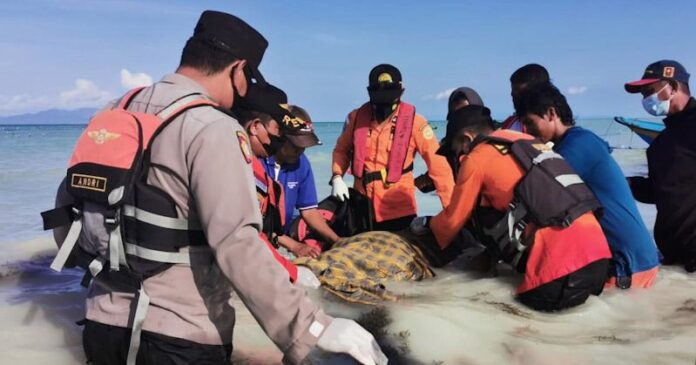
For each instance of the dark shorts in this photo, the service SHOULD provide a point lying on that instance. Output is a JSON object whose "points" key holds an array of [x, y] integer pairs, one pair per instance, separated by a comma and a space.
{"points": [[108, 345], [570, 290]]}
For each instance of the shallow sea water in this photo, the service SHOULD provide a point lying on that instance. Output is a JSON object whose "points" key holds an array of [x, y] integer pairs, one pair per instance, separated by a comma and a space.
{"points": [[459, 317]]}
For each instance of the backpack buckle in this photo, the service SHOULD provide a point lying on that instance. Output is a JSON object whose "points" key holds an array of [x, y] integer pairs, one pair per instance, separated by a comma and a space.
{"points": [[111, 220], [383, 175]]}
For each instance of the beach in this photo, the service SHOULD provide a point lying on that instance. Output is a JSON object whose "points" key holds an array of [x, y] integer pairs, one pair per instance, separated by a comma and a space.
{"points": [[459, 317]]}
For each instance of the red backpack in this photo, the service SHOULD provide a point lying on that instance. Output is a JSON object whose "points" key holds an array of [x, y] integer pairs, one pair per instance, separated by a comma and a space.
{"points": [[117, 220]]}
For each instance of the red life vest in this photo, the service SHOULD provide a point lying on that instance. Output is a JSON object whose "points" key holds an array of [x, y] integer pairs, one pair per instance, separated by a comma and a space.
{"points": [[271, 201], [272, 204], [401, 137]]}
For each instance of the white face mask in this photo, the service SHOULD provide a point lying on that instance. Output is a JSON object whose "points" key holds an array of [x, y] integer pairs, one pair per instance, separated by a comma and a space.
{"points": [[653, 105]]}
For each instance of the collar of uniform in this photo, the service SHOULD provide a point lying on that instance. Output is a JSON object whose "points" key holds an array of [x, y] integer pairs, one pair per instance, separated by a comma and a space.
{"points": [[688, 113], [184, 82]]}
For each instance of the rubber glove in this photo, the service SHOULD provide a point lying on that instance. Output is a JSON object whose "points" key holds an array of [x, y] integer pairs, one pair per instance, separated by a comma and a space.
{"points": [[346, 336], [420, 225], [306, 278], [339, 188]]}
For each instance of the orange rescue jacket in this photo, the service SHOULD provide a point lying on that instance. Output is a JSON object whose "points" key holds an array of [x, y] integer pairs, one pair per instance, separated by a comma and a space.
{"points": [[491, 174], [392, 201]]}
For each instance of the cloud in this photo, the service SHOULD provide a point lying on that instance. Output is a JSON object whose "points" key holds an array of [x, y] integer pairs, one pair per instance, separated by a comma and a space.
{"points": [[132, 80], [84, 94], [23, 103], [576, 90], [442, 95]]}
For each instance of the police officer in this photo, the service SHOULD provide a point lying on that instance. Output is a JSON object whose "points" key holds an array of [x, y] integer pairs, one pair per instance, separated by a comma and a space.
{"points": [[189, 319]]}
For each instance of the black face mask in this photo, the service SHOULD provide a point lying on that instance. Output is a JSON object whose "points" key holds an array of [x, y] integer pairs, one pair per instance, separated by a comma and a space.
{"points": [[383, 101], [249, 81], [275, 144]]}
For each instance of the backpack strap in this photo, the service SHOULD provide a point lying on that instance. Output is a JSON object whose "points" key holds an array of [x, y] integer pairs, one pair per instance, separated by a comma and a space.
{"points": [[182, 104], [126, 99], [70, 240]]}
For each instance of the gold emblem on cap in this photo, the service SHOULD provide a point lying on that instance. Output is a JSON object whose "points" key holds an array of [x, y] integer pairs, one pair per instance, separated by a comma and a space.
{"points": [[385, 77], [668, 72], [101, 136], [293, 122]]}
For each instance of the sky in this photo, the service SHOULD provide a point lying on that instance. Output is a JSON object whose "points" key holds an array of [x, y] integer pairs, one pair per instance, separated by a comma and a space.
{"points": [[69, 54]]}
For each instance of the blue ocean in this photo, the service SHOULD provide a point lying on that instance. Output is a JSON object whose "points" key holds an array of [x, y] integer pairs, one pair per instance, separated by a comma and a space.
{"points": [[33, 159]]}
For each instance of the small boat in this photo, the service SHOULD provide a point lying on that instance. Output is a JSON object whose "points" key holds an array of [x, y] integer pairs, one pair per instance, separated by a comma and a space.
{"points": [[648, 131]]}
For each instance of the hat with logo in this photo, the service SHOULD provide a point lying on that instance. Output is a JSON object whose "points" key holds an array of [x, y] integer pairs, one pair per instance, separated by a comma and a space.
{"points": [[268, 99], [660, 70], [384, 76], [230, 34]]}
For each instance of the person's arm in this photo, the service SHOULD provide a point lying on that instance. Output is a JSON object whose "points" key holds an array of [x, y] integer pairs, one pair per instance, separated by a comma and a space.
{"points": [[317, 222], [230, 217], [307, 203], [285, 263], [438, 168], [343, 151], [450, 220]]}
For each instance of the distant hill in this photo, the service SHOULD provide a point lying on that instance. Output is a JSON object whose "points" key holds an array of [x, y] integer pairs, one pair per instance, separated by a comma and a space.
{"points": [[52, 116]]}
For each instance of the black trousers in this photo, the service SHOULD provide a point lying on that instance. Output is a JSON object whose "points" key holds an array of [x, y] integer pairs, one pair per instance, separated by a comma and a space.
{"points": [[108, 345], [570, 290]]}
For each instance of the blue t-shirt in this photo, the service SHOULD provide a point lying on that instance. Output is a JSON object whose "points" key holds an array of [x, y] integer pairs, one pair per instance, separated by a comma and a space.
{"points": [[632, 247], [298, 185]]}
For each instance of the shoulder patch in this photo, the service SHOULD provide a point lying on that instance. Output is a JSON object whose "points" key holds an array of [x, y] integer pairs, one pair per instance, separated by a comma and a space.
{"points": [[501, 148], [244, 146], [543, 147], [428, 132]]}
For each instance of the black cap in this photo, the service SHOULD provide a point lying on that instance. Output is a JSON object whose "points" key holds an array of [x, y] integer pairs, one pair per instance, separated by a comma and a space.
{"points": [[660, 70], [384, 76], [268, 99], [231, 34], [468, 116], [301, 137]]}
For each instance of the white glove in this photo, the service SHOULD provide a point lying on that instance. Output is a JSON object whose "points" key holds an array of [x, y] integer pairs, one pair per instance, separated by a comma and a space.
{"points": [[339, 188], [346, 336], [419, 225], [306, 278]]}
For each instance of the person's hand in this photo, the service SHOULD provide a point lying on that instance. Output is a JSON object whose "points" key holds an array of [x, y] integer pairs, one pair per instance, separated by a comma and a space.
{"points": [[304, 250], [420, 225], [306, 278], [339, 189], [346, 336]]}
